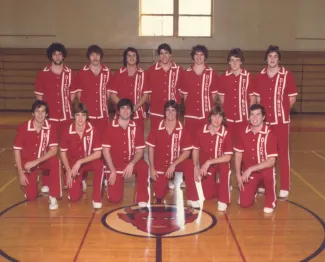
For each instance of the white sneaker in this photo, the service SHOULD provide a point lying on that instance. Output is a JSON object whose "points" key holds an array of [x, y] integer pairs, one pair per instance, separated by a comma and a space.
{"points": [[284, 193], [183, 185], [261, 190], [142, 204], [171, 184], [45, 189], [194, 204], [53, 203], [84, 186], [105, 183], [222, 206], [97, 205], [268, 210]]}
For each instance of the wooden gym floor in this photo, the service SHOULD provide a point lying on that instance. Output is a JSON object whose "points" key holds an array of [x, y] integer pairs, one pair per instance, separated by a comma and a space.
{"points": [[75, 232]]}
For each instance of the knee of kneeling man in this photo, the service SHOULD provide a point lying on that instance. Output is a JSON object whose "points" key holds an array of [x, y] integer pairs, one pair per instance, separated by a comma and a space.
{"points": [[245, 204], [115, 199], [31, 197]]}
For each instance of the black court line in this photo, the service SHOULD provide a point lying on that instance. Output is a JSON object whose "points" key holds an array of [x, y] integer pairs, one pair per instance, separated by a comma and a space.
{"points": [[307, 259], [84, 236], [322, 246], [235, 238], [158, 249]]}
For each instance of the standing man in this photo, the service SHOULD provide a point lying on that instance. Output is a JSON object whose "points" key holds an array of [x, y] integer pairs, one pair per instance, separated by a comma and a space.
{"points": [[35, 149], [163, 79], [199, 88], [169, 150], [212, 150], [92, 87], [276, 90], [53, 84], [123, 149], [236, 91], [130, 82], [256, 152], [81, 148]]}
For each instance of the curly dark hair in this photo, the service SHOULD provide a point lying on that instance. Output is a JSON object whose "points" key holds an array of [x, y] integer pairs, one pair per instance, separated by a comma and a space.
{"points": [[56, 47]]}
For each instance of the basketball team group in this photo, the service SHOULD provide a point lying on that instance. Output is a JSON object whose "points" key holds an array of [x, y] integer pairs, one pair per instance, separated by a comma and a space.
{"points": [[233, 119]]}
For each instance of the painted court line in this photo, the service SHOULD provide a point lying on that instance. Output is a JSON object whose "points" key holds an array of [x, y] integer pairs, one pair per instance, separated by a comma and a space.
{"points": [[320, 156], [308, 184], [84, 237], [235, 238], [7, 184]]}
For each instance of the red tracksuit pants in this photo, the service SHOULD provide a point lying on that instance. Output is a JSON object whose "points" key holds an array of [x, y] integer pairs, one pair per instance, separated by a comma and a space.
{"points": [[116, 191], [194, 125], [75, 192], [211, 189], [52, 166], [282, 133], [247, 196], [155, 121], [161, 184]]}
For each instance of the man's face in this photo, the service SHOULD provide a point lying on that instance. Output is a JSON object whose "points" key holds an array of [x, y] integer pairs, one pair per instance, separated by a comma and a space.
{"points": [[171, 114], [125, 112], [131, 58], [216, 120], [57, 58], [80, 119], [164, 56], [199, 58], [40, 114], [94, 59], [272, 60], [234, 63], [256, 118]]}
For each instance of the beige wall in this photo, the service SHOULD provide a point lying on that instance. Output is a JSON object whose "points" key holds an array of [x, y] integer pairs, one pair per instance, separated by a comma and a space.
{"points": [[249, 24]]}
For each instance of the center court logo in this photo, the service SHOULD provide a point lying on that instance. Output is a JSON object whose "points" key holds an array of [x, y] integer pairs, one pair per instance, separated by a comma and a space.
{"points": [[158, 221]]}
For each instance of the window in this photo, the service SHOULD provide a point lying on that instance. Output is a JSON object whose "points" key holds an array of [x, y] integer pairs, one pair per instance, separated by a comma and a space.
{"points": [[175, 18]]}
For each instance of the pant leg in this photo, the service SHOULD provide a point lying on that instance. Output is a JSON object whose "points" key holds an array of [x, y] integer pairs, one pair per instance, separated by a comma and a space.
{"points": [[53, 166], [187, 168], [268, 176], [224, 183], [45, 178], [155, 121], [247, 195], [31, 189], [282, 132], [115, 192], [209, 185], [141, 188], [140, 121], [193, 125], [97, 167], [161, 185]]}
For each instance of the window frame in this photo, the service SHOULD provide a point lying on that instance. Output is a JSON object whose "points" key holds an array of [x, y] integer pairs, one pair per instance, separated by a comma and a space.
{"points": [[176, 17]]}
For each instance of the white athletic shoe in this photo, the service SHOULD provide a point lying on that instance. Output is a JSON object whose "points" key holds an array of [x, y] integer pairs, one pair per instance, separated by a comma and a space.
{"points": [[171, 184], [284, 194], [142, 204], [84, 186], [268, 210], [53, 203], [194, 204], [45, 189], [222, 206], [261, 190], [183, 185], [97, 205], [105, 182]]}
